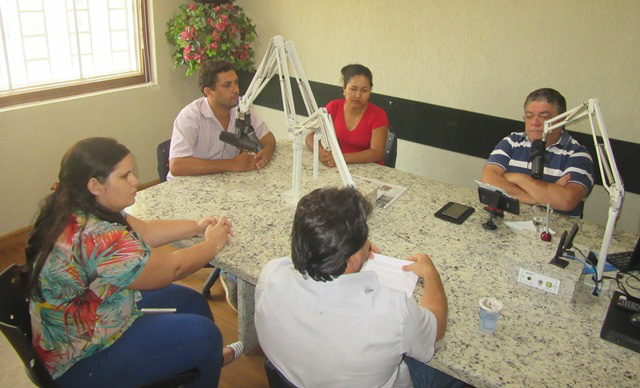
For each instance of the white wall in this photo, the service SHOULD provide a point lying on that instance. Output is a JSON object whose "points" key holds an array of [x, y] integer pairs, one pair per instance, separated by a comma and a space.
{"points": [[35, 136], [482, 56]]}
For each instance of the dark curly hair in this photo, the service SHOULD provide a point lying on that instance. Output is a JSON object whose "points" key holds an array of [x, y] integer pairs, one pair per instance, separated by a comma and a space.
{"points": [[549, 95], [208, 75], [329, 226]]}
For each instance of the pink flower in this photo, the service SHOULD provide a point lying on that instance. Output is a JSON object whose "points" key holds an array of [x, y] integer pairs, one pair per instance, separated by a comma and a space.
{"points": [[214, 45], [186, 56], [192, 7], [245, 46], [230, 7], [220, 26], [184, 35], [209, 21], [216, 8]]}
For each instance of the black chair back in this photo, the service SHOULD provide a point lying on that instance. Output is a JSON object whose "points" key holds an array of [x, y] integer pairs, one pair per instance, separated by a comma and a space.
{"points": [[275, 377], [162, 154], [15, 324], [390, 150]]}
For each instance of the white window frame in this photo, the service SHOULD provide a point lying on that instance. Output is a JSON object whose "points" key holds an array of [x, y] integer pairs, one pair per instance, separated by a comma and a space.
{"points": [[17, 96]]}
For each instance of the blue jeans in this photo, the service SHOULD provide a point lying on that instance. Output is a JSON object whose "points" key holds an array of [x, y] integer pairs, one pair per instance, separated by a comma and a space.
{"points": [[157, 346], [424, 376]]}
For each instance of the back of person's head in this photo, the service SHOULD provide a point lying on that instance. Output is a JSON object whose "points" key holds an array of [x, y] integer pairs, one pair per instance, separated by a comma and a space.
{"points": [[351, 71], [329, 226], [209, 70], [90, 158], [549, 95]]}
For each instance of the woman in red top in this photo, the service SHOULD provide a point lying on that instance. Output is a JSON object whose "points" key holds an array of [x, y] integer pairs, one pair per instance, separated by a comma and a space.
{"points": [[361, 127]]}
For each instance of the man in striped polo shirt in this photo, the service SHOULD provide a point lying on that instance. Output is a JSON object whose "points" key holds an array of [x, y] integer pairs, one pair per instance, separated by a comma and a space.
{"points": [[568, 171]]}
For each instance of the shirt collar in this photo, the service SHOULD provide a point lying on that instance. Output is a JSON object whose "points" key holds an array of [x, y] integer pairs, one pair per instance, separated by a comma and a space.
{"points": [[564, 140]]}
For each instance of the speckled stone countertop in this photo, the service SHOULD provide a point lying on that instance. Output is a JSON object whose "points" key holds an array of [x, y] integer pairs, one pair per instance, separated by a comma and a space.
{"points": [[543, 340]]}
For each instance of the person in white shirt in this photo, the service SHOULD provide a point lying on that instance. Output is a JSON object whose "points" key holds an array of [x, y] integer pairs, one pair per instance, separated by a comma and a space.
{"points": [[323, 323], [195, 145]]}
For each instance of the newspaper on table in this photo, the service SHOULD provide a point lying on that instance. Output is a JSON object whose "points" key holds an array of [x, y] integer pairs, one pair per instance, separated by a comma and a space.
{"points": [[387, 193]]}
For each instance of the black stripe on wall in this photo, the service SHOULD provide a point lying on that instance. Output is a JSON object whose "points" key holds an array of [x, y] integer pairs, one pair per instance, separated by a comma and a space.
{"points": [[456, 130]]}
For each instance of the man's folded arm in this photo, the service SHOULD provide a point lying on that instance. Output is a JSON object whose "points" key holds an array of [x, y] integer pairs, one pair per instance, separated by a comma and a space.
{"points": [[494, 175], [560, 197]]}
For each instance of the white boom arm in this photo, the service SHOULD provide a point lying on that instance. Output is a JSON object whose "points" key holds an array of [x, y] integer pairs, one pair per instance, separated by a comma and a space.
{"points": [[611, 179], [276, 60]]}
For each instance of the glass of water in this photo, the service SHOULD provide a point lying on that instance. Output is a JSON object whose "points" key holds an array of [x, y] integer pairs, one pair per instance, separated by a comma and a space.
{"points": [[539, 217]]}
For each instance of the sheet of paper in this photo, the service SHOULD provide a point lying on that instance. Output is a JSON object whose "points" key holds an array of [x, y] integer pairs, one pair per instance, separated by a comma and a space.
{"points": [[519, 226], [390, 273]]}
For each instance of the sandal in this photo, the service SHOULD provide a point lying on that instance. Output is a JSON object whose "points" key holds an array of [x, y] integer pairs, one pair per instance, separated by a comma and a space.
{"points": [[238, 350]]}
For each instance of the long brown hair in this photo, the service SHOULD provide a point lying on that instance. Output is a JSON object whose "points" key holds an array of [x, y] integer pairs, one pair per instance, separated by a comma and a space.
{"points": [[90, 158]]}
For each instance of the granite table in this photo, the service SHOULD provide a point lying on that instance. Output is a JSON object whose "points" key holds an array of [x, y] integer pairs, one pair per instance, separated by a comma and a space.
{"points": [[543, 339]]}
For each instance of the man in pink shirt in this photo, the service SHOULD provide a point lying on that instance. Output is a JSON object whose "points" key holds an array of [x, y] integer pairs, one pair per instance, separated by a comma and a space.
{"points": [[195, 145]]}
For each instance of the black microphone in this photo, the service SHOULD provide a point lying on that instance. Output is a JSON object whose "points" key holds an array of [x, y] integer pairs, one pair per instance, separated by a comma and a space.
{"points": [[537, 159], [242, 142]]}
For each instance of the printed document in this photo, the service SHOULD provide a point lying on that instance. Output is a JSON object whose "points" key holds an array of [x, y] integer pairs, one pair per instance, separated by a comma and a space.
{"points": [[386, 192], [390, 273]]}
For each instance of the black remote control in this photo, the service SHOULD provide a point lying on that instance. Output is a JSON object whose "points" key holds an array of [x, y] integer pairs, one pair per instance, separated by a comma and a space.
{"points": [[628, 305]]}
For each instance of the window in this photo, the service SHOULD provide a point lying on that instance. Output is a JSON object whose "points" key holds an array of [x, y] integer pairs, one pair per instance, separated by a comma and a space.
{"points": [[57, 48]]}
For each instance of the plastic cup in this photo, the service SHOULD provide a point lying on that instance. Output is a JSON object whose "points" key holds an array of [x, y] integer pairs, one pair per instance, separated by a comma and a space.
{"points": [[490, 309]]}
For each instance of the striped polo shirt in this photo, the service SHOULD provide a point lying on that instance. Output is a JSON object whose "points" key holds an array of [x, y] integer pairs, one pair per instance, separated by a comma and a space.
{"points": [[564, 157]]}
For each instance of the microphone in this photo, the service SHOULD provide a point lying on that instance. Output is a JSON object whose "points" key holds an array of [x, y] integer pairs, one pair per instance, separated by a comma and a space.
{"points": [[537, 159], [241, 142], [245, 138]]}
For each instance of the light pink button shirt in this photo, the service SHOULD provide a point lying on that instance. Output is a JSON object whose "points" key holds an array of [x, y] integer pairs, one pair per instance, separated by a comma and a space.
{"points": [[196, 133]]}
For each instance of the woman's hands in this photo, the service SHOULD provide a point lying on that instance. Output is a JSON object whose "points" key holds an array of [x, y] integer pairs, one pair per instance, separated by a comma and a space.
{"points": [[326, 158], [218, 232], [203, 223]]}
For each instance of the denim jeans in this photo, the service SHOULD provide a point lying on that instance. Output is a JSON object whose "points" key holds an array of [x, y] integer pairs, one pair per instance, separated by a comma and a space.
{"points": [[157, 346], [424, 376]]}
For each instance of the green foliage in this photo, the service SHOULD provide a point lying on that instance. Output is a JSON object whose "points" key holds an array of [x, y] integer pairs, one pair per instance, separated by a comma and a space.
{"points": [[198, 32]]}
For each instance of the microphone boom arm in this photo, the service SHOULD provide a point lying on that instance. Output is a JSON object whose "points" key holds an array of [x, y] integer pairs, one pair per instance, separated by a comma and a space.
{"points": [[276, 61], [611, 179]]}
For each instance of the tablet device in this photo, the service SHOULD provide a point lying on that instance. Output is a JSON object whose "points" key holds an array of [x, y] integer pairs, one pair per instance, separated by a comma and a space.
{"points": [[454, 212]]}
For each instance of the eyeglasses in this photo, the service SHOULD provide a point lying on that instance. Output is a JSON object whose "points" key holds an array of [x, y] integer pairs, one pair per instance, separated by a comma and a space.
{"points": [[540, 116]]}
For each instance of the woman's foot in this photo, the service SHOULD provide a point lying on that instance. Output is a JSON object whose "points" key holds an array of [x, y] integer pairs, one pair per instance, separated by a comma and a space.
{"points": [[232, 352]]}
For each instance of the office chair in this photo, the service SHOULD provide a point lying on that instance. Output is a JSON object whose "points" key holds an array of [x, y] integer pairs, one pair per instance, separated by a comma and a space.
{"points": [[162, 155], [390, 150], [275, 377], [15, 324]]}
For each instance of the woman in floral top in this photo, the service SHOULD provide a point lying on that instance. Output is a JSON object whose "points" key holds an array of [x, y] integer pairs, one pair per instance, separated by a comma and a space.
{"points": [[93, 268]]}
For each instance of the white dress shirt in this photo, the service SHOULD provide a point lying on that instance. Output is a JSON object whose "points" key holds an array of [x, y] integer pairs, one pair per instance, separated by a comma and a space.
{"points": [[350, 332]]}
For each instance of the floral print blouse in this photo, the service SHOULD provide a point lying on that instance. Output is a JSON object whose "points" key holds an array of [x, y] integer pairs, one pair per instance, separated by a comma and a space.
{"points": [[85, 305]]}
